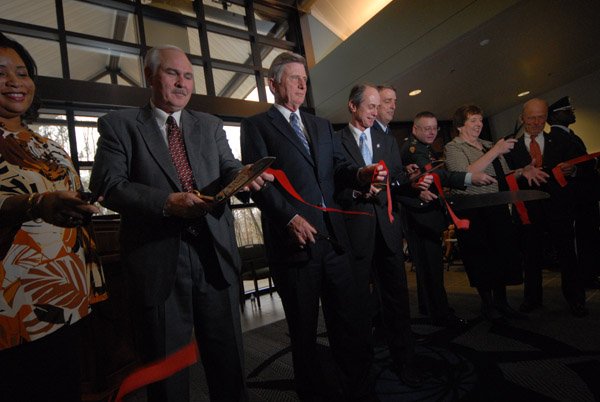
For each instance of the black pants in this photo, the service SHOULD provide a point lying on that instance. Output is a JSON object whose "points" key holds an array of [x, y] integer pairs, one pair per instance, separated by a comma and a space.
{"points": [[201, 301], [327, 276], [48, 369]]}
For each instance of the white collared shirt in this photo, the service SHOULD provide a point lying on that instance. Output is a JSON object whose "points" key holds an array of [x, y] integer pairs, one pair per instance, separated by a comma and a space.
{"points": [[287, 113], [356, 133], [539, 139], [384, 128], [161, 119]]}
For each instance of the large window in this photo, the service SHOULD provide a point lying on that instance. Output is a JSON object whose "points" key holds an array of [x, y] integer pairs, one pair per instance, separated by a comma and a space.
{"points": [[90, 53]]}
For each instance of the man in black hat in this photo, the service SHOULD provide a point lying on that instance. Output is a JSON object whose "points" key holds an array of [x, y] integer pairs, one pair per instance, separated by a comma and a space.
{"points": [[586, 188]]}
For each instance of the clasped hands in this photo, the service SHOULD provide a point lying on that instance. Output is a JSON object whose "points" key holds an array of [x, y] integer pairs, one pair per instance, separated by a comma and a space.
{"points": [[65, 208]]}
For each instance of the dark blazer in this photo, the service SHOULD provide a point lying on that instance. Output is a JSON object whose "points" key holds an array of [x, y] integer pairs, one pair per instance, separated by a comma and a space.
{"points": [[361, 228], [313, 176], [134, 171], [429, 215], [377, 127], [556, 150]]}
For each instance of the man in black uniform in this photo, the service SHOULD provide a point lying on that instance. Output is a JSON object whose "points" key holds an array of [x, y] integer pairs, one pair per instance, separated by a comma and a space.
{"points": [[586, 188], [427, 220]]}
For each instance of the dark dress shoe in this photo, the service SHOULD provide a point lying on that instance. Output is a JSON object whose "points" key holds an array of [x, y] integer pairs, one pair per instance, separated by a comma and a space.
{"points": [[528, 306], [592, 283], [450, 321], [508, 312], [410, 375], [578, 309]]}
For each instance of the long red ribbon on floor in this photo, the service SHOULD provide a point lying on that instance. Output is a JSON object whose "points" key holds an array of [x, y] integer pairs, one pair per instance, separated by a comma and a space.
{"points": [[285, 183], [511, 180], [159, 370], [558, 174]]}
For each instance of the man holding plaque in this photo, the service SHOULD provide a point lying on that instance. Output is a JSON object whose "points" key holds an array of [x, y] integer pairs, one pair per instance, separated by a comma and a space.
{"points": [[155, 165]]}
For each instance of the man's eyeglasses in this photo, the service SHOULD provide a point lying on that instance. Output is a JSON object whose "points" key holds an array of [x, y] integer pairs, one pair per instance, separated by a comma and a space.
{"points": [[430, 129]]}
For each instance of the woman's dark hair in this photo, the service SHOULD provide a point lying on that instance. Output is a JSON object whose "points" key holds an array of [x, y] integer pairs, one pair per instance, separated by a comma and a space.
{"points": [[7, 43], [463, 113]]}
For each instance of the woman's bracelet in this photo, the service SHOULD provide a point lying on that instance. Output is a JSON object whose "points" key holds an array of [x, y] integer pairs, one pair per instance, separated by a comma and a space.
{"points": [[33, 203]]}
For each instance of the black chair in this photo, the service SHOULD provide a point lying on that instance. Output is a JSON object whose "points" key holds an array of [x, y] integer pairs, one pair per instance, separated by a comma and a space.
{"points": [[254, 268]]}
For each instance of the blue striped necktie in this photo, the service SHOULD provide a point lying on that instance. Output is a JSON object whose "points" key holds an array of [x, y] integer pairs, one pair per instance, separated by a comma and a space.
{"points": [[298, 130], [364, 149]]}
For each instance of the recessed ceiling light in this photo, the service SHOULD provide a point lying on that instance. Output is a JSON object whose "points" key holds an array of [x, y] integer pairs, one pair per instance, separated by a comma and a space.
{"points": [[484, 42], [523, 93], [414, 92]]}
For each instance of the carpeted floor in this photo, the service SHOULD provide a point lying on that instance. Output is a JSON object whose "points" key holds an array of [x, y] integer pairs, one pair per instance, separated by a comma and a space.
{"points": [[551, 356]]}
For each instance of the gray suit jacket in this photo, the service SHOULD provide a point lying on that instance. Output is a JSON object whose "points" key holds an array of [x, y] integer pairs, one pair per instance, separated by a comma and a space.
{"points": [[134, 172]]}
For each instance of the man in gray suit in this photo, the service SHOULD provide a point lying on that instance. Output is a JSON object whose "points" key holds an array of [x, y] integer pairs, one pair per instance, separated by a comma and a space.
{"points": [[179, 249]]}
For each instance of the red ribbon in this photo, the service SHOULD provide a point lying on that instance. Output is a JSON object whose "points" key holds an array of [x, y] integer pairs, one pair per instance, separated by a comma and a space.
{"points": [[285, 183], [387, 187], [520, 205], [159, 370], [558, 174], [459, 223]]}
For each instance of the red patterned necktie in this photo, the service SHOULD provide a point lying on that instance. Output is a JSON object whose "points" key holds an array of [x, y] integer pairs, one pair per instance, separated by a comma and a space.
{"points": [[179, 155], [535, 151]]}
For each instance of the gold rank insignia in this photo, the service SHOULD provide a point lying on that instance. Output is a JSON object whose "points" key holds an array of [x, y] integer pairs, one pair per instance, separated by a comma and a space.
{"points": [[412, 149]]}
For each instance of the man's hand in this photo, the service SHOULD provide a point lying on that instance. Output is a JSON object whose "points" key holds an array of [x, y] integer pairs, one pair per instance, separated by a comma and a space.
{"points": [[424, 183], [535, 175], [187, 205], [412, 169], [260, 182], [482, 179], [427, 196], [373, 173], [373, 191], [302, 231], [567, 169]]}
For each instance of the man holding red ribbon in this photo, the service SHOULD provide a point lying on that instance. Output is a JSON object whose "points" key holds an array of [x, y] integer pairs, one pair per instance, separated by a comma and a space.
{"points": [[553, 215], [307, 246], [586, 188], [377, 242]]}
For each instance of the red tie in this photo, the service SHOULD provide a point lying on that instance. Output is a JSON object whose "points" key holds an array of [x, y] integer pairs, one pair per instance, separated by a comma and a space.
{"points": [[179, 155], [535, 151]]}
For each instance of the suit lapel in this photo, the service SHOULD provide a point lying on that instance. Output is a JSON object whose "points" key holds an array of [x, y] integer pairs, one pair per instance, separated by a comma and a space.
{"points": [[288, 132], [351, 146], [156, 144], [377, 141], [194, 136]]}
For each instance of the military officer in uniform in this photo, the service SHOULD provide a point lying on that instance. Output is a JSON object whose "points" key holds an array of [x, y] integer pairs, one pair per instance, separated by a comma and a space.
{"points": [[427, 221]]}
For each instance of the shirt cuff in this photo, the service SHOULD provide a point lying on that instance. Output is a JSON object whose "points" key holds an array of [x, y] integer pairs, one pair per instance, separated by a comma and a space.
{"points": [[468, 179]]}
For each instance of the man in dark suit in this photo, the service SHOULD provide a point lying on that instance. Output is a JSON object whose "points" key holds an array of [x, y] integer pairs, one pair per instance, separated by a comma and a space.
{"points": [[377, 243], [386, 109], [178, 248], [302, 242], [426, 220], [586, 188], [553, 216]]}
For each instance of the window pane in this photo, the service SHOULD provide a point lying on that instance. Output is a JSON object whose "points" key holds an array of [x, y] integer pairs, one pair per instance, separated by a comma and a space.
{"points": [[247, 225], [57, 132], [200, 82], [94, 64], [230, 49], [37, 12], [181, 7], [162, 33], [233, 137], [230, 84], [100, 21], [253, 96], [231, 15], [86, 137], [46, 54]]}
